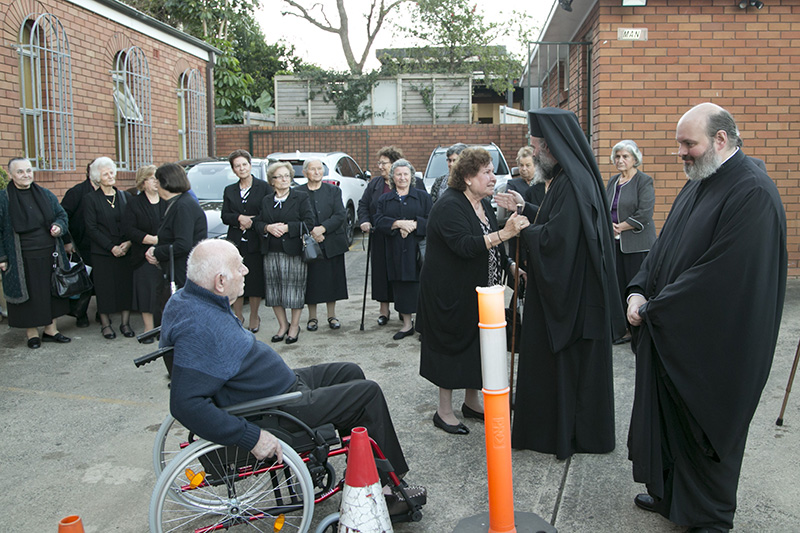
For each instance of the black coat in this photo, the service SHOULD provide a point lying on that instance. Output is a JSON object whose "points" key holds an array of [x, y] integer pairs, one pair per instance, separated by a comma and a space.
{"points": [[184, 225], [296, 209], [103, 223], [401, 254], [232, 207], [73, 205], [326, 202], [140, 220]]}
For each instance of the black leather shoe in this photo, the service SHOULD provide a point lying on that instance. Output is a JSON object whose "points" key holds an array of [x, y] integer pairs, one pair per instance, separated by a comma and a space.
{"points": [[333, 322], [82, 321], [127, 331], [312, 324], [278, 338], [34, 343], [468, 412], [459, 429], [645, 501], [290, 339], [108, 332], [58, 337], [403, 334], [383, 320]]}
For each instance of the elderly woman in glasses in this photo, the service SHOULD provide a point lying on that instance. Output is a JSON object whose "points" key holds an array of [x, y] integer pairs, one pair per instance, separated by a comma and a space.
{"points": [[280, 225]]}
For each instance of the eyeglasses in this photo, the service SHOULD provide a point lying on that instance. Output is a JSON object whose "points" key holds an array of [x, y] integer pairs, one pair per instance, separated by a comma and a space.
{"points": [[281, 177], [383, 163]]}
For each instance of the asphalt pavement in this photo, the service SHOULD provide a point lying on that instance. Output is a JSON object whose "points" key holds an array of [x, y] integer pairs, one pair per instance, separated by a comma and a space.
{"points": [[78, 421]]}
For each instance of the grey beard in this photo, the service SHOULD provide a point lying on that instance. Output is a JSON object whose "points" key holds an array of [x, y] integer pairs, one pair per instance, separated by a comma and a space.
{"points": [[703, 166], [543, 169]]}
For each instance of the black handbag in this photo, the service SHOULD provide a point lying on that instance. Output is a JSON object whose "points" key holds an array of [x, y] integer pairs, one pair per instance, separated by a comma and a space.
{"points": [[71, 281], [312, 251]]}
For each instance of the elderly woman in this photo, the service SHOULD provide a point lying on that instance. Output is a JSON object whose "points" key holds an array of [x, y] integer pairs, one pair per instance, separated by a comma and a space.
{"points": [[402, 218], [327, 279], [631, 196], [440, 183], [240, 205], [531, 192], [464, 251], [141, 221], [31, 224], [280, 222], [183, 226], [112, 270]]}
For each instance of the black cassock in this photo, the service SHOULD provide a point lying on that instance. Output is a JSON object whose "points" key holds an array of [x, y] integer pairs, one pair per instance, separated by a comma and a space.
{"points": [[715, 283], [564, 401]]}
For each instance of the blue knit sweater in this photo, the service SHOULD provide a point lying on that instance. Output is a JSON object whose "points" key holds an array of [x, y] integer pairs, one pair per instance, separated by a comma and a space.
{"points": [[217, 363]]}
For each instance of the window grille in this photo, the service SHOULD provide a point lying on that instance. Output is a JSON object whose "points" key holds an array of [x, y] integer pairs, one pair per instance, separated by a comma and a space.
{"points": [[48, 132], [192, 116], [133, 125]]}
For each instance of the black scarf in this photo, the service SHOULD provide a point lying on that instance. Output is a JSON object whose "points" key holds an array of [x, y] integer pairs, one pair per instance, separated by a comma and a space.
{"points": [[21, 219]]}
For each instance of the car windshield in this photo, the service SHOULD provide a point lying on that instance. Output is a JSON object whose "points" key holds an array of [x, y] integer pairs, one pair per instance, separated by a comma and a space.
{"points": [[210, 179], [438, 164]]}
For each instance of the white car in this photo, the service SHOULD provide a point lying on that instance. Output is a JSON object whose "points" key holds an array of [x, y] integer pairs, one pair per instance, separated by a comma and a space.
{"points": [[338, 169]]}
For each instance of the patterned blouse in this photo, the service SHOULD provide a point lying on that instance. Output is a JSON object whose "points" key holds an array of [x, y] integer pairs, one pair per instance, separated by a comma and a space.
{"points": [[494, 257]]}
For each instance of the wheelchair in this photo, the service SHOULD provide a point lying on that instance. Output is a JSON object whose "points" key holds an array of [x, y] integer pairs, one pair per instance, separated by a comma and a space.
{"points": [[203, 487]]}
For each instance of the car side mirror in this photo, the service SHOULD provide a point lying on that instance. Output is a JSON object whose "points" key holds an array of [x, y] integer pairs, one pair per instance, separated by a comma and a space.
{"points": [[514, 172]]}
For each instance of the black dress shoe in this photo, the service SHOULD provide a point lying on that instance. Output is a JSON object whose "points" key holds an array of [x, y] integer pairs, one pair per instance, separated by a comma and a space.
{"points": [[127, 331], [403, 334], [108, 332], [278, 338], [34, 343], [468, 412], [257, 328], [58, 337], [292, 340], [645, 501], [459, 429], [333, 322], [312, 324], [82, 321], [383, 320]]}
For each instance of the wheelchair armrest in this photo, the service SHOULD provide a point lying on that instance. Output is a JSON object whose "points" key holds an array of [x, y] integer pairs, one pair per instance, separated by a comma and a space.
{"points": [[152, 356], [256, 406]]}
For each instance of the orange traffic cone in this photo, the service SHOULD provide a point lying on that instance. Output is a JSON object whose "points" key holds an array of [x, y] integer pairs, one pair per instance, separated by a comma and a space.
{"points": [[70, 524], [363, 504]]}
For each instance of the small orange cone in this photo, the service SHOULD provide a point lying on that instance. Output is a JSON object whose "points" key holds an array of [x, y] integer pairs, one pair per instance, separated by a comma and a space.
{"points": [[70, 524], [363, 504]]}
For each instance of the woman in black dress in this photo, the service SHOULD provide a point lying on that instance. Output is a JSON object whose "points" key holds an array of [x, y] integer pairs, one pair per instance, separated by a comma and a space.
{"points": [[141, 221], [464, 251], [240, 204], [112, 270], [327, 279], [402, 218], [183, 226], [279, 222], [31, 224]]}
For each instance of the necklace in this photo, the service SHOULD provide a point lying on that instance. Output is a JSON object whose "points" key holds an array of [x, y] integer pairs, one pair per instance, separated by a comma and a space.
{"points": [[112, 202]]}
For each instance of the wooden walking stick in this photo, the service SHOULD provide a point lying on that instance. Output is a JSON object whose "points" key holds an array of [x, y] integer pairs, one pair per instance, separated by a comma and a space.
{"points": [[514, 310], [366, 277], [779, 421]]}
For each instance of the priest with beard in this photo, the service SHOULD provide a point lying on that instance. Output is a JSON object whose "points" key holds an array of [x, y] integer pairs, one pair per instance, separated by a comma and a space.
{"points": [[564, 401], [706, 307]]}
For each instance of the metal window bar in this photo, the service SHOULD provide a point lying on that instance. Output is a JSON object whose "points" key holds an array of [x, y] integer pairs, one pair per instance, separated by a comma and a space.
{"points": [[44, 51], [194, 113], [131, 79]]}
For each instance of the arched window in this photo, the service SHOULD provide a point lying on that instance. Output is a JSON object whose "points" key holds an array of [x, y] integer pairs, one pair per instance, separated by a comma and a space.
{"points": [[134, 129], [48, 133], [192, 119]]}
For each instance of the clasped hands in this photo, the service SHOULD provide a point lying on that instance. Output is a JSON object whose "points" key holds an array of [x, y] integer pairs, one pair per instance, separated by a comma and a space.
{"points": [[406, 227], [121, 249], [278, 229]]}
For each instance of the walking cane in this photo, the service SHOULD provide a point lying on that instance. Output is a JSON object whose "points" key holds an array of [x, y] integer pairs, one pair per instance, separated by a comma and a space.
{"points": [[172, 286], [514, 310], [779, 422], [366, 277]]}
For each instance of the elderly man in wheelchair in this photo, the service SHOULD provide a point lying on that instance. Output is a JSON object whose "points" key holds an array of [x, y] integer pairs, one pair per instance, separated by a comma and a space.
{"points": [[218, 364]]}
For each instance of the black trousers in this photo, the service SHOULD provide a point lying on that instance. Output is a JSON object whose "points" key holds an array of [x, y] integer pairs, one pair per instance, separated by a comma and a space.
{"points": [[339, 394]]}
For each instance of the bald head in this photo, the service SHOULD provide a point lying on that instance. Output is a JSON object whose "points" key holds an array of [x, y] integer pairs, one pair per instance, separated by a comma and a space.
{"points": [[209, 259], [707, 136], [715, 121]]}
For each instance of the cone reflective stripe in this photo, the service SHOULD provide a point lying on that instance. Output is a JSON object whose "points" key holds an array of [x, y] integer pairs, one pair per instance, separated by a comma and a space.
{"points": [[497, 417], [70, 524], [363, 504]]}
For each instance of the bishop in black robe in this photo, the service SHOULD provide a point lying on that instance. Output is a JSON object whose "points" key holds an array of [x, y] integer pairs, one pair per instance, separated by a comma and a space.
{"points": [[564, 401], [714, 283]]}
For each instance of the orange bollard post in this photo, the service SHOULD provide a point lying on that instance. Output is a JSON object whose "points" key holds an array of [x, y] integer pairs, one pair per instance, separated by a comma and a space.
{"points": [[70, 524]]}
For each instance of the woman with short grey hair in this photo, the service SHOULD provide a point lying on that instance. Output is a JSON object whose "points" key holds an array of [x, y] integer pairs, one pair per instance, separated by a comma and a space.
{"points": [[631, 196]]}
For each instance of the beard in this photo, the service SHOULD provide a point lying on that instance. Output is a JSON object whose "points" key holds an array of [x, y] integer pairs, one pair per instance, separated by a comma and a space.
{"points": [[703, 166], [543, 167]]}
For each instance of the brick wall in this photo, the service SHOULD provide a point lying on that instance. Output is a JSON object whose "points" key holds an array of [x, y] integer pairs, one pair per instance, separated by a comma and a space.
{"points": [[747, 61], [417, 142], [93, 41]]}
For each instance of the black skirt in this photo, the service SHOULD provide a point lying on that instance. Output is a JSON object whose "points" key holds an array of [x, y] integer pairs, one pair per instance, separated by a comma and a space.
{"points": [[147, 284], [254, 280], [113, 283], [327, 280], [41, 308], [405, 296]]}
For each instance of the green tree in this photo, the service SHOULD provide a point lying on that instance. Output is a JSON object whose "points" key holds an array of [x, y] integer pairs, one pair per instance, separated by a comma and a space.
{"points": [[459, 39]]}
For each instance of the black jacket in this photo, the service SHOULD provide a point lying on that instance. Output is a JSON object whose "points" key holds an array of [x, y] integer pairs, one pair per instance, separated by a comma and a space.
{"points": [[326, 202], [232, 207], [296, 209], [138, 221], [184, 225], [104, 224]]}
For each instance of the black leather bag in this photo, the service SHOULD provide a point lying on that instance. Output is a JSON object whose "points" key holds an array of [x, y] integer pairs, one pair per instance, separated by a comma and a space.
{"points": [[69, 282], [311, 248]]}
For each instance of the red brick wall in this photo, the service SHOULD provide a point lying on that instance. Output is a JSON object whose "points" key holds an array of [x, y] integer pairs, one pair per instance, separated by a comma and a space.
{"points": [[93, 42], [747, 61], [417, 142]]}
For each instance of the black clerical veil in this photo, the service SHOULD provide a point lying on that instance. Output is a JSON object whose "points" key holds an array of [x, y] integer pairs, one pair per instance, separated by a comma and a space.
{"points": [[567, 142]]}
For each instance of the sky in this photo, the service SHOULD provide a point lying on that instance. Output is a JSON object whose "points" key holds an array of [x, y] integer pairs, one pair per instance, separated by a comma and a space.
{"points": [[324, 49]]}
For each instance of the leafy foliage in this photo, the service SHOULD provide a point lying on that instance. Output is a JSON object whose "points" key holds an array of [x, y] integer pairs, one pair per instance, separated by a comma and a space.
{"points": [[346, 91]]}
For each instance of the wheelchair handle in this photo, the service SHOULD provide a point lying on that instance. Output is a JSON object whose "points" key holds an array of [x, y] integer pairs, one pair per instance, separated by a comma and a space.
{"points": [[147, 335], [149, 358]]}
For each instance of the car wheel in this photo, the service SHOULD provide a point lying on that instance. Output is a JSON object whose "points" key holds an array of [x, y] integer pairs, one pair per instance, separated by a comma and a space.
{"points": [[350, 224]]}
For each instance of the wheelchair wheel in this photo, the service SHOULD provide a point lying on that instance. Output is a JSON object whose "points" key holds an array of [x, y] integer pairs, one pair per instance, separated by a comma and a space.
{"points": [[209, 487], [171, 438]]}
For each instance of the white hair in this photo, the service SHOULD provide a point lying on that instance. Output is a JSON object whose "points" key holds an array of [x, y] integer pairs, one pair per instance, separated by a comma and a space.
{"points": [[97, 166], [210, 258]]}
